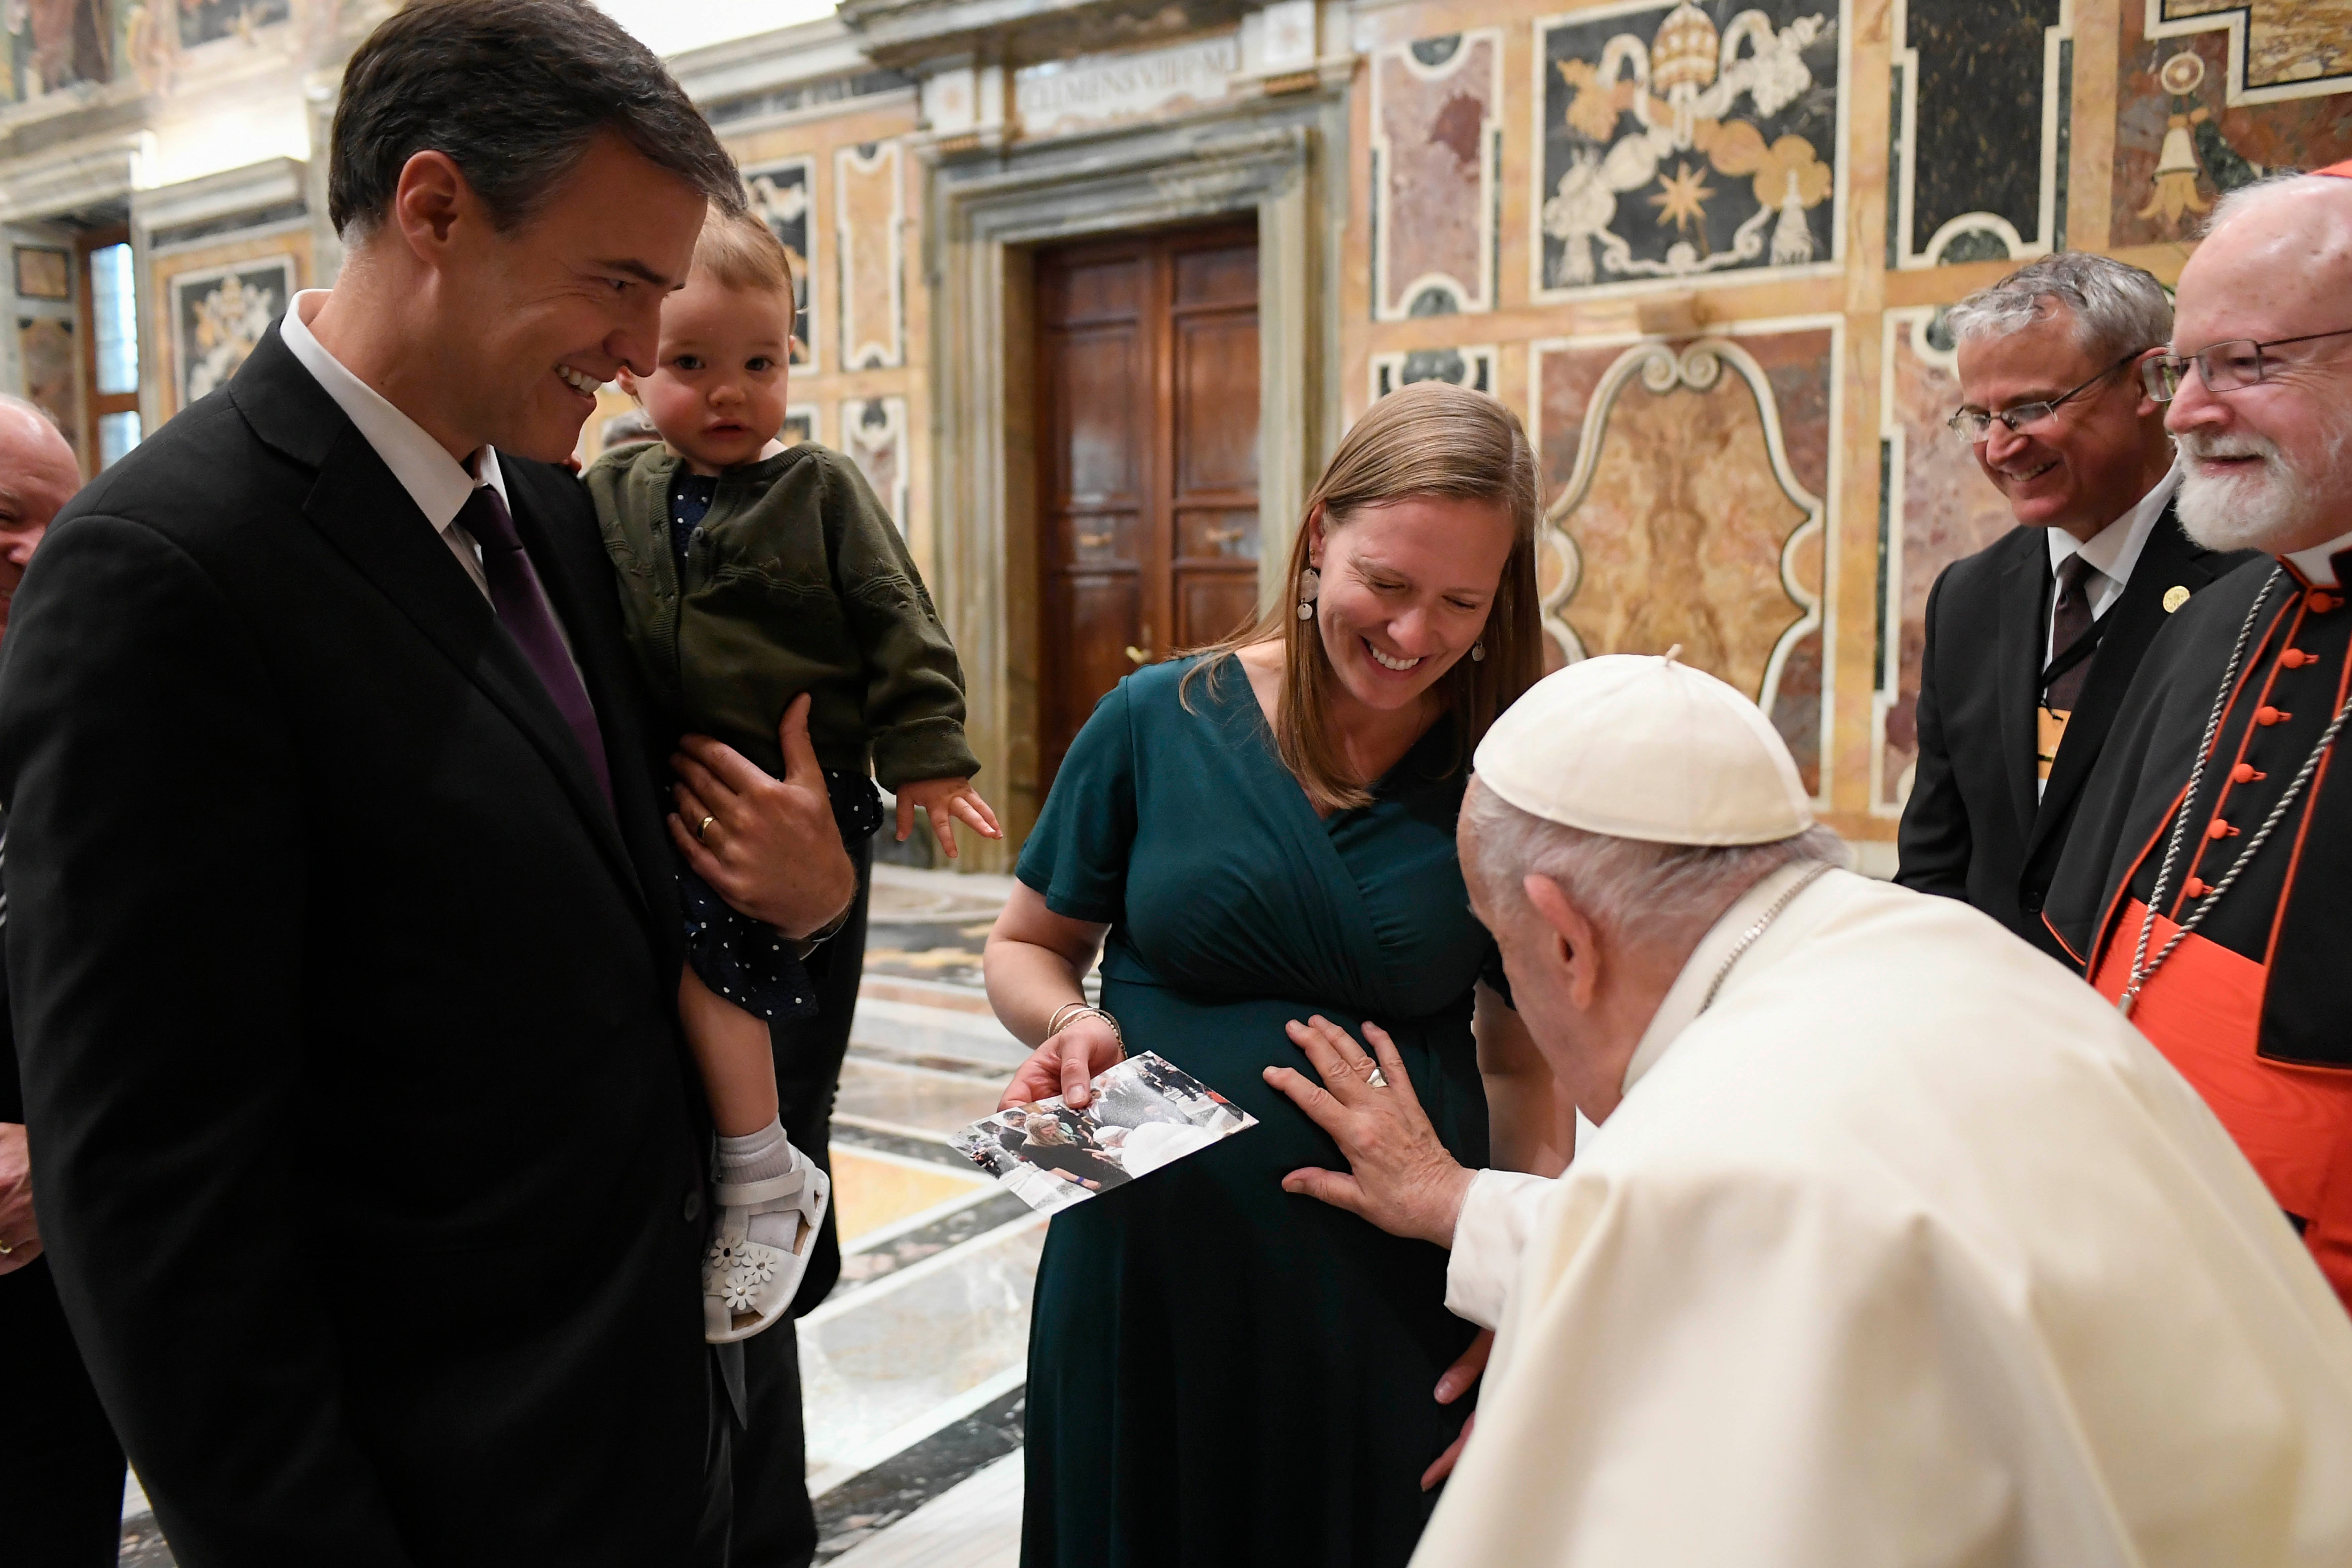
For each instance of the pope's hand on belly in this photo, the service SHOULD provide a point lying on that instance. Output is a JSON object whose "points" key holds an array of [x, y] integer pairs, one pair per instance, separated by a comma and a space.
{"points": [[1401, 1177]]}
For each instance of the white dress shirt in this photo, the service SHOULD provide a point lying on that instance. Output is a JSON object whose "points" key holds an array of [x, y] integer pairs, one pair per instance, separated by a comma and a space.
{"points": [[2114, 551], [436, 481]]}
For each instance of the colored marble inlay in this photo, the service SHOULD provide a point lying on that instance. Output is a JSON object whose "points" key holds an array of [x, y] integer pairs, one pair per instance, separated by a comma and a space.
{"points": [[1691, 509], [1977, 173], [874, 436], [1940, 507], [2279, 48], [781, 194], [869, 197], [2184, 137], [1437, 109]]}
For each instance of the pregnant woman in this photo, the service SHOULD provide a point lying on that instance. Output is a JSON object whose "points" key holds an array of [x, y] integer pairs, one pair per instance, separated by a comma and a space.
{"points": [[1222, 1373]]}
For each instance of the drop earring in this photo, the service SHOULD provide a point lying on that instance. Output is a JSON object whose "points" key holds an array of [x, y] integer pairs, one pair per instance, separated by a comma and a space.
{"points": [[1478, 651], [1310, 586]]}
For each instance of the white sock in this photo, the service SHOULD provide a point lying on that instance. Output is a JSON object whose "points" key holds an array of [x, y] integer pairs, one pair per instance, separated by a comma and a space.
{"points": [[755, 1157]]}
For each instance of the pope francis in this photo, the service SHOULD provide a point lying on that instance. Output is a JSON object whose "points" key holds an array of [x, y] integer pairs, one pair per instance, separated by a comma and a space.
{"points": [[1895, 1245]]}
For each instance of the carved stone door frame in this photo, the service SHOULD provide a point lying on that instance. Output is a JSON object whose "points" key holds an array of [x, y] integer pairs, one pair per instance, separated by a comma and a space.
{"points": [[988, 213]]}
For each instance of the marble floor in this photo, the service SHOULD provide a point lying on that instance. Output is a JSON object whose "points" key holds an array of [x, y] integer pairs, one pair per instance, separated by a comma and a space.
{"points": [[914, 1369]]}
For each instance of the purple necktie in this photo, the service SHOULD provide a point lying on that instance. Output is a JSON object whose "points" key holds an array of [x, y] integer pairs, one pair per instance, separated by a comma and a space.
{"points": [[514, 595]]}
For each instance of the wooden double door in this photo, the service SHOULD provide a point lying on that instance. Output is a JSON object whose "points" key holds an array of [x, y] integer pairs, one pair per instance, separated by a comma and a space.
{"points": [[1147, 458]]}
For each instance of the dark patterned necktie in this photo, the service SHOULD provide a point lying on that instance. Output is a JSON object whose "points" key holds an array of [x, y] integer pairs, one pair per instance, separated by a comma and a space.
{"points": [[515, 594], [2070, 623]]}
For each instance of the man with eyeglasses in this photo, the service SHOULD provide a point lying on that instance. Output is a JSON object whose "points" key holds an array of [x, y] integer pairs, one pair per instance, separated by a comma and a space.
{"points": [[2033, 639], [2207, 888]]}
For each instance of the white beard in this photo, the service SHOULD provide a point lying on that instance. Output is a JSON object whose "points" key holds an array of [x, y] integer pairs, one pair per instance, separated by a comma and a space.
{"points": [[2260, 508]]}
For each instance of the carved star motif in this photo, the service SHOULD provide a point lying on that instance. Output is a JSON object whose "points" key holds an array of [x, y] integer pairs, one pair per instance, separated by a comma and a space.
{"points": [[1684, 199]]}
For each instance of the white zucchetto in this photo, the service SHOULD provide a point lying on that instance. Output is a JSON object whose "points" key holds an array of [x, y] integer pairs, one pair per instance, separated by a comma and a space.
{"points": [[1635, 746]]}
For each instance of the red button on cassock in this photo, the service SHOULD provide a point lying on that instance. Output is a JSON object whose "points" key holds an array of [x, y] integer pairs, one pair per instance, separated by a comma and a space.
{"points": [[2194, 887], [2246, 772], [2217, 829], [2322, 602], [2295, 658], [2267, 715]]}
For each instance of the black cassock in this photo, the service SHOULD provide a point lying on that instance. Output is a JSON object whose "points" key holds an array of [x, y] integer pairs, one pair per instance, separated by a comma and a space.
{"points": [[2251, 1006]]}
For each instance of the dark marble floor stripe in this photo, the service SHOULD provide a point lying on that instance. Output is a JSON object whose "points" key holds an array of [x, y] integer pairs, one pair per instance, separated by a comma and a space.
{"points": [[867, 1265], [933, 1152], [859, 1508]]}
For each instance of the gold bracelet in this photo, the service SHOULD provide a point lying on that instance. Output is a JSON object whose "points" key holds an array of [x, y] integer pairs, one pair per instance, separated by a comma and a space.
{"points": [[1069, 1013]]}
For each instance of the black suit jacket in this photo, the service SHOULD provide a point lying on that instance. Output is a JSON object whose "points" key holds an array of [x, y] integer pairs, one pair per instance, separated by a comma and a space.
{"points": [[366, 1149], [1972, 829]]}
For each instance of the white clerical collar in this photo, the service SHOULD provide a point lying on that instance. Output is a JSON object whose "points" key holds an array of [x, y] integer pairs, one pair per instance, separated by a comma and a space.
{"points": [[1687, 994], [2115, 548], [433, 480], [2314, 564]]}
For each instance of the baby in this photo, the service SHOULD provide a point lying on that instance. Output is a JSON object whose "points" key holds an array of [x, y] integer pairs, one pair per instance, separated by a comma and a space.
{"points": [[750, 575]]}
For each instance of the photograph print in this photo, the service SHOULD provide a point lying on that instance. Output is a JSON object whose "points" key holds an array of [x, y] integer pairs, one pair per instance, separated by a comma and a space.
{"points": [[1146, 1112]]}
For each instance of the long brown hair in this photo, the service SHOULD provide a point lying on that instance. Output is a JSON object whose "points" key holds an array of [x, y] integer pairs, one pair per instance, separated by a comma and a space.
{"points": [[1431, 439]]}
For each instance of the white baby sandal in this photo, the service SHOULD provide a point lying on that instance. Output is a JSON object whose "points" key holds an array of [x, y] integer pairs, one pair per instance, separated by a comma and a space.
{"points": [[759, 1249]]}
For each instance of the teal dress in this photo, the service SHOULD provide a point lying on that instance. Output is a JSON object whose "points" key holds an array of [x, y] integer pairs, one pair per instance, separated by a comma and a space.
{"points": [[1220, 1372]]}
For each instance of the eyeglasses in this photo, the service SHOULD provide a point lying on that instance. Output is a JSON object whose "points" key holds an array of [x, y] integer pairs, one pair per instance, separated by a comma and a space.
{"points": [[2224, 367], [1975, 424]]}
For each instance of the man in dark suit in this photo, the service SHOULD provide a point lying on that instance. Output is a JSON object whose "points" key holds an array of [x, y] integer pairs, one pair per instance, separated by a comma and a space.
{"points": [[345, 949], [2032, 641]]}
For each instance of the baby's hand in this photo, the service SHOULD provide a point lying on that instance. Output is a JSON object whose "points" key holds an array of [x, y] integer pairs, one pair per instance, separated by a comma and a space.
{"points": [[944, 800]]}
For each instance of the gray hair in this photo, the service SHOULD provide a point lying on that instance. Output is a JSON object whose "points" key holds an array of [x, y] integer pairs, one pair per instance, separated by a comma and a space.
{"points": [[2116, 308], [1673, 890], [2269, 189], [27, 405]]}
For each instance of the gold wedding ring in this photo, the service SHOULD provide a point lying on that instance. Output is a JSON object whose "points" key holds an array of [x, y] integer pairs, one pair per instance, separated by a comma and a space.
{"points": [[6, 1250], [704, 825]]}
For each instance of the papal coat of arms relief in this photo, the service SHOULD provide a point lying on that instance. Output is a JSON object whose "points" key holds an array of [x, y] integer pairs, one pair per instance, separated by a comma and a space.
{"points": [[1687, 141]]}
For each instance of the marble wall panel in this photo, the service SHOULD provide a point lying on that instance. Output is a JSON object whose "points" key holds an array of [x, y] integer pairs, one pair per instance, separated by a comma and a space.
{"points": [[874, 436], [1936, 506], [784, 196], [51, 370], [2194, 118], [1983, 109], [2278, 49], [1694, 509], [803, 422], [869, 192], [1686, 143], [1470, 367], [1437, 155]]}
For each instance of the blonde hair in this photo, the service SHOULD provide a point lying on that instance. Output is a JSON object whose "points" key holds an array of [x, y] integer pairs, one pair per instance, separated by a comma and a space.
{"points": [[1431, 439], [741, 251]]}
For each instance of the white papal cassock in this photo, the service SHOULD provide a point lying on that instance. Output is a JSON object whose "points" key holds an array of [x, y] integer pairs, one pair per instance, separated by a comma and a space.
{"points": [[1908, 1251]]}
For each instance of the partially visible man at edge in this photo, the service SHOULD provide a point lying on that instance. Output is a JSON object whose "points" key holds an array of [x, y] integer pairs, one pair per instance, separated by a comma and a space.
{"points": [[346, 947], [2209, 885], [60, 1468], [2031, 640]]}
